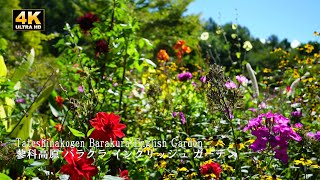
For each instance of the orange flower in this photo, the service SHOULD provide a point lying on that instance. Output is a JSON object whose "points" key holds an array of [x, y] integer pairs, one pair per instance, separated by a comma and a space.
{"points": [[179, 44], [181, 48], [58, 127], [162, 55], [59, 101]]}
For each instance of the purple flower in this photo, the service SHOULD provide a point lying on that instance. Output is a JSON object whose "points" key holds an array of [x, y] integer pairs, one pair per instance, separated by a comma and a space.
{"points": [[296, 114], [80, 89], [20, 100], [182, 118], [203, 79], [242, 79], [230, 85], [259, 144], [184, 76], [315, 136], [194, 84], [310, 134], [298, 125], [115, 84], [282, 155], [174, 114]]}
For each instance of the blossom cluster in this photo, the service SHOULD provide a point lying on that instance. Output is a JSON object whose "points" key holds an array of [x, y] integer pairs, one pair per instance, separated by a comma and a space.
{"points": [[274, 129]]}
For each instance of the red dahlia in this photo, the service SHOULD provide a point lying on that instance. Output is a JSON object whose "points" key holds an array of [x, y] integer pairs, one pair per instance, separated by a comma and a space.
{"points": [[78, 167], [107, 126], [101, 47], [211, 168], [124, 174], [86, 21], [59, 101]]}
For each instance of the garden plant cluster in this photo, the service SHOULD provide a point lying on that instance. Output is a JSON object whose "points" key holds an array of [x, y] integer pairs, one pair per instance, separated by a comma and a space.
{"points": [[130, 93]]}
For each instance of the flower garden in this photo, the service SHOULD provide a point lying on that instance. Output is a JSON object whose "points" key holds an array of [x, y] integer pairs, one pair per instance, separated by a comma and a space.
{"points": [[138, 90]]}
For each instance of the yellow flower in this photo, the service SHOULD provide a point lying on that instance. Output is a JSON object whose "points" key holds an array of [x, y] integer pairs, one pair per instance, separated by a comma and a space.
{"points": [[315, 166], [267, 70], [249, 142], [161, 164], [226, 167], [309, 60], [309, 48], [183, 169], [239, 146], [295, 73], [218, 143], [192, 175], [266, 177]]}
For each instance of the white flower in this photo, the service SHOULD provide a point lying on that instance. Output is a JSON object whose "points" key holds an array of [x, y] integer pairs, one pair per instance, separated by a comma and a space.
{"points": [[295, 44], [204, 36], [247, 45]]}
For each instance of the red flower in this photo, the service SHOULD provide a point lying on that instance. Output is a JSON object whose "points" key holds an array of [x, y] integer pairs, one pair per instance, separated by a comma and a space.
{"points": [[78, 167], [86, 21], [124, 174], [211, 168], [58, 127], [101, 47], [107, 127], [59, 101]]}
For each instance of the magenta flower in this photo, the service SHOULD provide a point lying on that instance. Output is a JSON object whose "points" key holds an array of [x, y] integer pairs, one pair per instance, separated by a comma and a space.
{"points": [[20, 100], [184, 76], [230, 85], [274, 129], [242, 79]]}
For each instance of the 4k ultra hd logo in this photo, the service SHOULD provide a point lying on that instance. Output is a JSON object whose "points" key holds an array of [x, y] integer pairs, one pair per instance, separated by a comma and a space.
{"points": [[28, 19]]}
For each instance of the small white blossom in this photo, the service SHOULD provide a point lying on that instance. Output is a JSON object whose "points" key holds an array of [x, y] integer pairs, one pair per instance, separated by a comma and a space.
{"points": [[204, 36]]}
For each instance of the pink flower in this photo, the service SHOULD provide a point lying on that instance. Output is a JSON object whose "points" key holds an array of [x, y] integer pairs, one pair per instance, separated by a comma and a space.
{"points": [[80, 89], [203, 79], [242, 79], [298, 125], [230, 85], [262, 105]]}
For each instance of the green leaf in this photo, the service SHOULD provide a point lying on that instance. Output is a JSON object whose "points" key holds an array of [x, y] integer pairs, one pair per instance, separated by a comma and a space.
{"points": [[24, 68], [90, 131], [238, 54], [3, 68], [148, 61], [4, 177], [76, 132], [24, 129]]}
